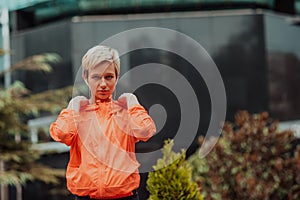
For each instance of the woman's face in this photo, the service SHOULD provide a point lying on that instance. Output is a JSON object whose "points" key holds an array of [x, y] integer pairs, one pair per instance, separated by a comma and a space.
{"points": [[102, 80]]}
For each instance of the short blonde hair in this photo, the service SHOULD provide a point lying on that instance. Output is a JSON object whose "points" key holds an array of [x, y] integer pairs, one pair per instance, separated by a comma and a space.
{"points": [[98, 54]]}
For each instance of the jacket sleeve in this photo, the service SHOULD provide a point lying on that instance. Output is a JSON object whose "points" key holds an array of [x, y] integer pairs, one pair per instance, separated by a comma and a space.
{"points": [[64, 129], [141, 124]]}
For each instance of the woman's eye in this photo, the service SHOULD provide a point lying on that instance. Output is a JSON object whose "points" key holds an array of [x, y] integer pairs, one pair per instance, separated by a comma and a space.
{"points": [[109, 77], [96, 77]]}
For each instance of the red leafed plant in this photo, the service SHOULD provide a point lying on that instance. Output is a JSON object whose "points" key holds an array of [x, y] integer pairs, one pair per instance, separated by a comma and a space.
{"points": [[253, 159]]}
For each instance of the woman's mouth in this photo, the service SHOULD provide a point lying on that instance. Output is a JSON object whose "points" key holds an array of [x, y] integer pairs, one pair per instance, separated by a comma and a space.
{"points": [[103, 91]]}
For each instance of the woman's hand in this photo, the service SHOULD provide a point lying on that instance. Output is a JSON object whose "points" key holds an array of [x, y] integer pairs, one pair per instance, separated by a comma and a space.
{"points": [[78, 102], [128, 100]]}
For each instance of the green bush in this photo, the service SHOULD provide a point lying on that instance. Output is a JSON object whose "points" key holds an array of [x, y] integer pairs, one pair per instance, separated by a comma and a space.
{"points": [[172, 178], [252, 160]]}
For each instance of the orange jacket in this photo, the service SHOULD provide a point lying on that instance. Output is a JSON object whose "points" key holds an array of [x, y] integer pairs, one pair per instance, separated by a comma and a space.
{"points": [[102, 155]]}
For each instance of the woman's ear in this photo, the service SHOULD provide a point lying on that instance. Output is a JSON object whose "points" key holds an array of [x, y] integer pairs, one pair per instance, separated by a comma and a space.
{"points": [[85, 80], [84, 77], [117, 80]]}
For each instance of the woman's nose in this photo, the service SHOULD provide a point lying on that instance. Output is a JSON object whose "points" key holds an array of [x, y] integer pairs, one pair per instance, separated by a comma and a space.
{"points": [[102, 83]]}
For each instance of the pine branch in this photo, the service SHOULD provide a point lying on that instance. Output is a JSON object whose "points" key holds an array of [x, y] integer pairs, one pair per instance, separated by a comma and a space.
{"points": [[35, 63]]}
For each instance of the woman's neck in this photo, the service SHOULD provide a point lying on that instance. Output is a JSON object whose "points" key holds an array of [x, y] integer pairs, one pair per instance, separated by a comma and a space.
{"points": [[97, 100]]}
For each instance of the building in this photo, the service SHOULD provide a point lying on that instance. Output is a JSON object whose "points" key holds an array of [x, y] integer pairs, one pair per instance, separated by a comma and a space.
{"points": [[254, 44]]}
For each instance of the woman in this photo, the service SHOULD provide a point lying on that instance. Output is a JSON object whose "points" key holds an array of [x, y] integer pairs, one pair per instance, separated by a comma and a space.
{"points": [[102, 132]]}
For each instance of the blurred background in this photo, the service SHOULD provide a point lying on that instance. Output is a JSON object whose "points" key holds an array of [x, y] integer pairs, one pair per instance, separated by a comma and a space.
{"points": [[255, 45]]}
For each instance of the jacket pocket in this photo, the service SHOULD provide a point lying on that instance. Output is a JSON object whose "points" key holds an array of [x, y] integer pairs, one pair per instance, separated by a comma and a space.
{"points": [[77, 178]]}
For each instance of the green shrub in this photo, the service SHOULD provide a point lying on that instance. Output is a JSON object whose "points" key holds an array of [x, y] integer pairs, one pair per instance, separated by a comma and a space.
{"points": [[172, 178], [252, 160]]}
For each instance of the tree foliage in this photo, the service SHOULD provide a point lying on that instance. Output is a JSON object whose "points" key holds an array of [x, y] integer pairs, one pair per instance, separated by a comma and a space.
{"points": [[34, 63], [17, 158], [253, 160], [172, 178]]}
